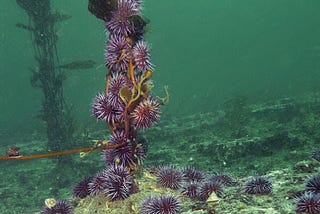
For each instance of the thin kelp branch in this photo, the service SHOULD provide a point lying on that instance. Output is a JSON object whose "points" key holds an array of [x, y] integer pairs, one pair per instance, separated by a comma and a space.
{"points": [[98, 145], [47, 75]]}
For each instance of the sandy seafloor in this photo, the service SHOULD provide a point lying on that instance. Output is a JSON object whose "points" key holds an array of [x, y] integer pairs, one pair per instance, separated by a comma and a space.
{"points": [[270, 139]]}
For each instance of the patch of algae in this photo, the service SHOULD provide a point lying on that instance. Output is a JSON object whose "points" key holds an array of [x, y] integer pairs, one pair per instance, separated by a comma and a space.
{"points": [[100, 204]]}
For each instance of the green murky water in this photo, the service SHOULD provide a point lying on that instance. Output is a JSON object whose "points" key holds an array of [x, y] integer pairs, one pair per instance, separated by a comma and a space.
{"points": [[206, 51]]}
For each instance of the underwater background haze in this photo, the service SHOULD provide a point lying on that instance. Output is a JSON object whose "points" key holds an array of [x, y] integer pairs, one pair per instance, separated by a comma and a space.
{"points": [[205, 51], [244, 83]]}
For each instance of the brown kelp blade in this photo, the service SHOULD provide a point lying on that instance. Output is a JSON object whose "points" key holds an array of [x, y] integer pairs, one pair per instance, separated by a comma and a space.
{"points": [[78, 64], [25, 27], [102, 9], [59, 17]]}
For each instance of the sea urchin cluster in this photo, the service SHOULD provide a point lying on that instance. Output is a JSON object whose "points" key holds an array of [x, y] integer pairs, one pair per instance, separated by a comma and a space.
{"points": [[114, 182], [126, 105]]}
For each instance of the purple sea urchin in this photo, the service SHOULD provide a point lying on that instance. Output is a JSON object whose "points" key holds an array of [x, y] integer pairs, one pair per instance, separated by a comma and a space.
{"points": [[81, 189], [258, 185], [61, 207], [117, 81], [117, 57], [309, 203], [223, 178], [146, 113], [313, 184], [118, 136], [119, 170], [103, 111], [190, 190], [191, 174], [118, 185], [166, 204], [120, 23], [141, 56], [121, 155], [127, 154], [209, 187], [169, 177], [98, 182], [99, 106]]}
